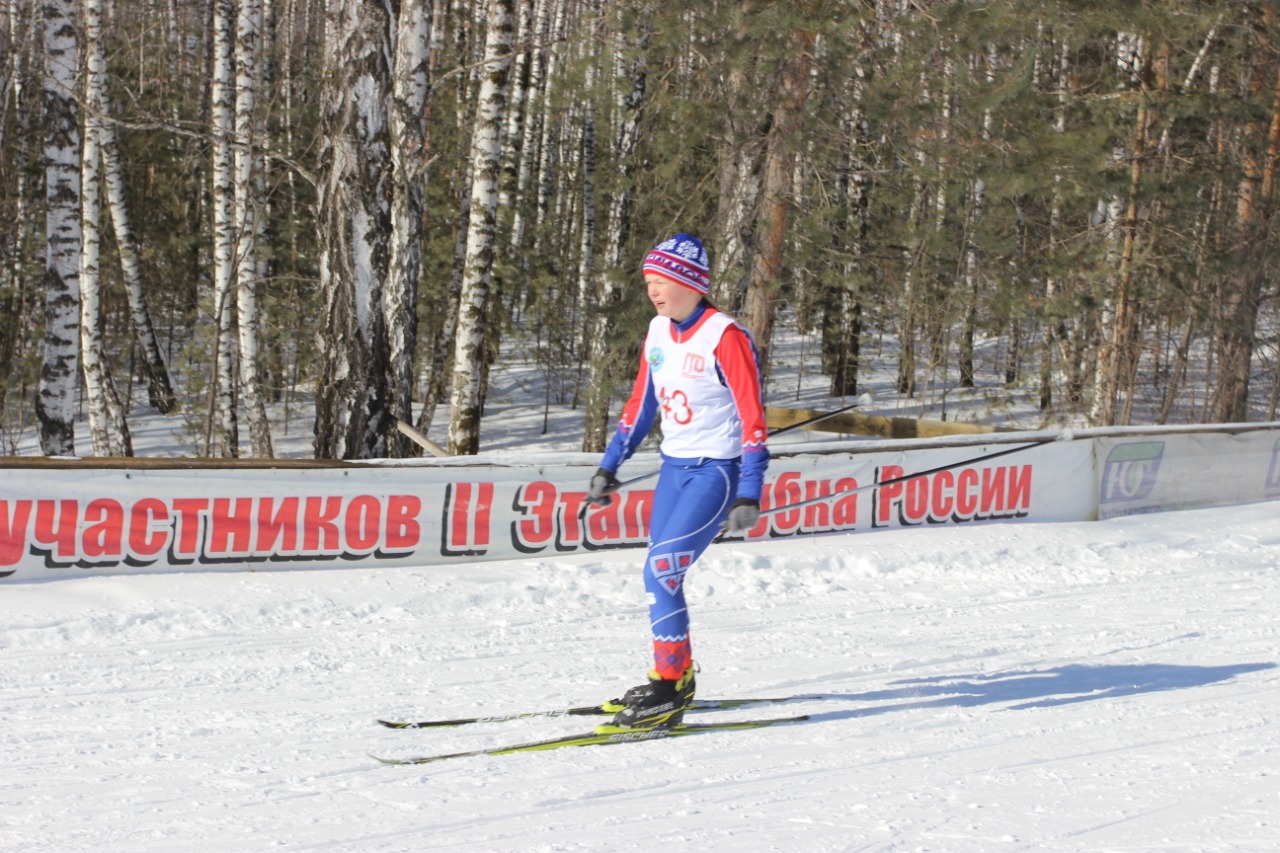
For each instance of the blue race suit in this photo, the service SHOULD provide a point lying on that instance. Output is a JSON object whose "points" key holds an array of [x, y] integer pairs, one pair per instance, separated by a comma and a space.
{"points": [[707, 390]]}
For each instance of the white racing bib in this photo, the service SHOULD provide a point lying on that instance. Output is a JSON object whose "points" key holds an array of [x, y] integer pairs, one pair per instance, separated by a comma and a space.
{"points": [[699, 415]]}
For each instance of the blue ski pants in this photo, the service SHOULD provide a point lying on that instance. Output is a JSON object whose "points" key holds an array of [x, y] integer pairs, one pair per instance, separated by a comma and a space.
{"points": [[690, 503]]}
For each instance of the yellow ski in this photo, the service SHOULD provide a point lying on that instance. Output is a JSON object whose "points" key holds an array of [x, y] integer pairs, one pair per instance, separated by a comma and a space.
{"points": [[604, 735]]}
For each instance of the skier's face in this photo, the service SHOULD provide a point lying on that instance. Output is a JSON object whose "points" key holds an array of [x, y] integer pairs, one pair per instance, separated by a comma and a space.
{"points": [[671, 299]]}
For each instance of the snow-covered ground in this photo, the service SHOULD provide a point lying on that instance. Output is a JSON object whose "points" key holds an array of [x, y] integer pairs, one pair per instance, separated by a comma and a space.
{"points": [[1107, 686], [1095, 687]]}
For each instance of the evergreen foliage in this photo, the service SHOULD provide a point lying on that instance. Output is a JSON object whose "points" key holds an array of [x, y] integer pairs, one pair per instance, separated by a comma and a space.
{"points": [[1058, 196]]}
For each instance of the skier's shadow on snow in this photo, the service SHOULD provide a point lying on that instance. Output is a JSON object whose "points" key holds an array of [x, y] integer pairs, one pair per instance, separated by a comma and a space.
{"points": [[1036, 688]]}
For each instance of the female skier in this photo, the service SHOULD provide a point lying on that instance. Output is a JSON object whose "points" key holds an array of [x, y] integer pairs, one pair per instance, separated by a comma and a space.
{"points": [[699, 370]]}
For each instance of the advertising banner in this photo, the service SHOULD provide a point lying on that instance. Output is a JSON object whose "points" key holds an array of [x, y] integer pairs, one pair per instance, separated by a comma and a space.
{"points": [[73, 520], [1164, 472]]}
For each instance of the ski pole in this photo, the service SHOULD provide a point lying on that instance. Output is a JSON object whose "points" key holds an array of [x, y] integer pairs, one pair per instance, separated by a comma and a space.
{"points": [[905, 477], [607, 497], [863, 400]]}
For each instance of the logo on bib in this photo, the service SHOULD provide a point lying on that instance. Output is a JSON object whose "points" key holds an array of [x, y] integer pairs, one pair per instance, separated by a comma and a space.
{"points": [[694, 365]]}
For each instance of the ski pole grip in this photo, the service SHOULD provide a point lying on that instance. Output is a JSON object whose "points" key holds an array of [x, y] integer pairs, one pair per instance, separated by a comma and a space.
{"points": [[603, 484]]}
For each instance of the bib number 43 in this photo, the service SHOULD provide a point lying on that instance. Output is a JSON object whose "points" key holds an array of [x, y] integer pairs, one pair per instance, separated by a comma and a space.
{"points": [[675, 406]]}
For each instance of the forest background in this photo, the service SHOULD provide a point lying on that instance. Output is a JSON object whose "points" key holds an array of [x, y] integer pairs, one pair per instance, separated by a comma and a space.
{"points": [[353, 210]]}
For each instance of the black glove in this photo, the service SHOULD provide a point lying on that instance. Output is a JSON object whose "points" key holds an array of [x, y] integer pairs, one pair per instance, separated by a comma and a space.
{"points": [[603, 484], [743, 515]]}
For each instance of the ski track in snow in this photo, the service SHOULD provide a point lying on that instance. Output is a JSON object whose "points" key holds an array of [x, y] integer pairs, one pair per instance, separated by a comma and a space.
{"points": [[1108, 686]]}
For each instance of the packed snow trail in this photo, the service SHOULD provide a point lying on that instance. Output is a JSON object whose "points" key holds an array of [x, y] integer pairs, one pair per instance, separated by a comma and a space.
{"points": [[1096, 686]]}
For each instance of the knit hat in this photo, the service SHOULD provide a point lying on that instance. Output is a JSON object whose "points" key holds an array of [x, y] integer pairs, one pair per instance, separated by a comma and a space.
{"points": [[681, 259]]}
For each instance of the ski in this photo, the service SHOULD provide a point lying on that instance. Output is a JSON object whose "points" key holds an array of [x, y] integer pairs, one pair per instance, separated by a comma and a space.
{"points": [[604, 735], [583, 711]]}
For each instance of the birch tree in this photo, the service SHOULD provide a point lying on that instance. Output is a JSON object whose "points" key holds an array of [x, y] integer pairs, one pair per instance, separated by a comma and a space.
{"points": [[486, 149], [915, 228], [437, 344], [535, 115], [18, 32], [107, 424], [587, 295], [1054, 333], [842, 307], [55, 395], [354, 191], [155, 368], [973, 273], [738, 171], [628, 80], [248, 218], [436, 376], [549, 130], [223, 422], [410, 90]]}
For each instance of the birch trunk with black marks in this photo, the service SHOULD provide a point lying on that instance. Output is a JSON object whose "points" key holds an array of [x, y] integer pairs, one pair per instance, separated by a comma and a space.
{"points": [[250, 212], [354, 191], [224, 434], [466, 401], [55, 401], [160, 394], [410, 89], [531, 129], [107, 424]]}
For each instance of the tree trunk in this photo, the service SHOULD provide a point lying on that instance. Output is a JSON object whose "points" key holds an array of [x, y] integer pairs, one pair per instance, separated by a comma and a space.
{"points": [[18, 45], [531, 130], [353, 191], [760, 305], [1243, 299], [410, 89], [1053, 331], [739, 181], [1127, 344], [225, 427], [466, 402], [973, 262], [628, 84], [250, 210], [549, 138], [588, 297], [56, 394], [160, 394], [519, 107], [971, 286], [1117, 330], [107, 424], [435, 377]]}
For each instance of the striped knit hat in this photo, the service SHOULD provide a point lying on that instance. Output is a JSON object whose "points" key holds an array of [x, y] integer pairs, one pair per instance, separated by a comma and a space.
{"points": [[681, 259]]}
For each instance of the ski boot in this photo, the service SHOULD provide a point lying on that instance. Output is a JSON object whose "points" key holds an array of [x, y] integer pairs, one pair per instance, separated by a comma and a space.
{"points": [[661, 702]]}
